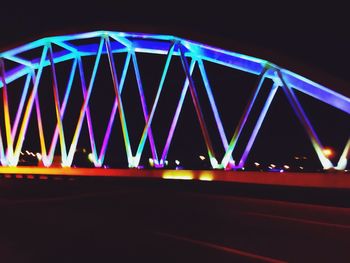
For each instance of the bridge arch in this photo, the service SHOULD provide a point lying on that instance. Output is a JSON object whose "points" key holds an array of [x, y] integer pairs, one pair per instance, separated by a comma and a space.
{"points": [[30, 60]]}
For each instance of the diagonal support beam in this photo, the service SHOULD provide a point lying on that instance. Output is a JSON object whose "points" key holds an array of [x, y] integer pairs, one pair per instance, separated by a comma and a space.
{"points": [[344, 158], [120, 104], [114, 111], [154, 107], [2, 153], [199, 111], [326, 163], [21, 105], [62, 112], [243, 119], [144, 108], [258, 125], [29, 108], [176, 115], [213, 106], [84, 106], [9, 138], [57, 106]]}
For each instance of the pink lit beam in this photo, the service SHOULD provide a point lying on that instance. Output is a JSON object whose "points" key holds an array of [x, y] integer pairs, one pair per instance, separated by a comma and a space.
{"points": [[243, 120], [177, 114], [114, 111], [57, 107], [76, 135], [41, 131], [21, 105], [120, 104], [155, 103], [9, 139], [213, 106], [344, 158], [144, 107], [258, 125], [29, 107], [326, 163], [2, 154], [88, 115], [198, 109], [39, 120], [62, 112]]}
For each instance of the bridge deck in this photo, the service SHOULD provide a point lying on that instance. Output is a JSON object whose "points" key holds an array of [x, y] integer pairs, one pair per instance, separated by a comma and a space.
{"points": [[319, 180]]}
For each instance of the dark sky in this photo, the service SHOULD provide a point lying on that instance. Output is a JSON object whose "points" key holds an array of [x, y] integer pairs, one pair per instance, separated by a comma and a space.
{"points": [[312, 40], [298, 36]]}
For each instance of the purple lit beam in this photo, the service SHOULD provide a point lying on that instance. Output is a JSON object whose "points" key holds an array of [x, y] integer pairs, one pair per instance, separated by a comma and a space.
{"points": [[155, 103], [176, 115], [120, 104], [198, 109], [243, 119], [258, 125], [326, 163], [144, 107], [9, 139], [114, 111]]}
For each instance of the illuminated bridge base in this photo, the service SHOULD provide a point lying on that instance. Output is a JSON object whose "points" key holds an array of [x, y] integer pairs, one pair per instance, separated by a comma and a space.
{"points": [[319, 180]]}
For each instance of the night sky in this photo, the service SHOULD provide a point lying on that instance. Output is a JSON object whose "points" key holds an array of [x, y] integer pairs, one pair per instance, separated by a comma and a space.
{"points": [[312, 40]]}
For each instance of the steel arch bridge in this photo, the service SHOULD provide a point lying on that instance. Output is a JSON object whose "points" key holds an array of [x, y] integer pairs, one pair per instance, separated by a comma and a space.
{"points": [[106, 43]]}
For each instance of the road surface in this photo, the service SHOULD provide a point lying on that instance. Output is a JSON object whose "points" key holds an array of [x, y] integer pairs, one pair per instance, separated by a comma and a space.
{"points": [[92, 220]]}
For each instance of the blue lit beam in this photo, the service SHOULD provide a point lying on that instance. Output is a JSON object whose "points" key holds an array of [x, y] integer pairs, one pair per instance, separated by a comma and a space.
{"points": [[155, 103], [326, 163], [243, 120], [120, 105], [199, 112], [258, 125], [176, 115]]}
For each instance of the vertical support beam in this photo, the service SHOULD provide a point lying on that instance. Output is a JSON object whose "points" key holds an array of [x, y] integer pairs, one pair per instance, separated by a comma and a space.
{"points": [[114, 111], [120, 104], [326, 163], [258, 125], [144, 109], [29, 107], [155, 103], [344, 158], [199, 112], [243, 120], [176, 115], [85, 105], [9, 139]]}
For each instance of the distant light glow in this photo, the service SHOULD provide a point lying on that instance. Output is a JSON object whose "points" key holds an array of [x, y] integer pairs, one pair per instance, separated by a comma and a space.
{"points": [[91, 157], [183, 175], [39, 156], [286, 166], [257, 164], [202, 157], [206, 176], [177, 162], [328, 152]]}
